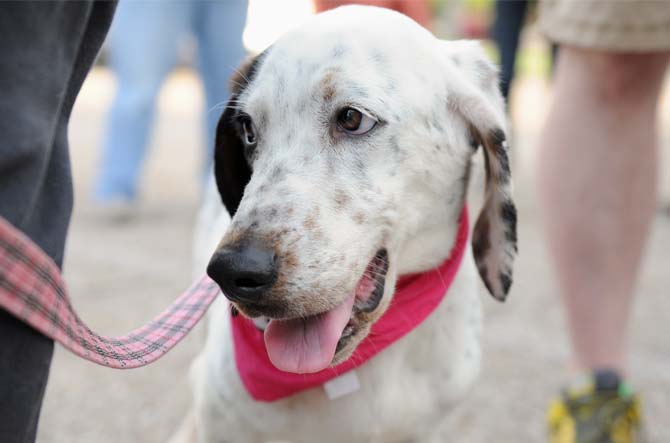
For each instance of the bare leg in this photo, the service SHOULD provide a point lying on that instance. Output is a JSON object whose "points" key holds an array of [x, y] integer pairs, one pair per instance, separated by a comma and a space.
{"points": [[597, 177]]}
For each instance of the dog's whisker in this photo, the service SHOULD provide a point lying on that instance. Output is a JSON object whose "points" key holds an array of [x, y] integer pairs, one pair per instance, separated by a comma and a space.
{"points": [[236, 83], [242, 74]]}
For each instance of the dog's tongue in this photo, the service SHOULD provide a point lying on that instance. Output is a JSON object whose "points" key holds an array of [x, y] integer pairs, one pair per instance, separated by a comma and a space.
{"points": [[307, 345]]}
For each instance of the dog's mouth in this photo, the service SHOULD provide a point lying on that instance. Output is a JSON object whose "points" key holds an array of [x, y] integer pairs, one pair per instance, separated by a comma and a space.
{"points": [[310, 344]]}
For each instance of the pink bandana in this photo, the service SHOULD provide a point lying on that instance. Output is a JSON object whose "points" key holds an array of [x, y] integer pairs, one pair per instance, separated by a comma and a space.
{"points": [[416, 296]]}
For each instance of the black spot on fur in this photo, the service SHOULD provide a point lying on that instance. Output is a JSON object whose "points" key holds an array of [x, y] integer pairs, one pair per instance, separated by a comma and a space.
{"points": [[505, 281], [473, 141], [503, 161], [465, 181], [494, 143], [497, 136], [508, 213]]}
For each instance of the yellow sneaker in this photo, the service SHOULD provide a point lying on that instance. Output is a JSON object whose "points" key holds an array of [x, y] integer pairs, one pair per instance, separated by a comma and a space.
{"points": [[599, 408]]}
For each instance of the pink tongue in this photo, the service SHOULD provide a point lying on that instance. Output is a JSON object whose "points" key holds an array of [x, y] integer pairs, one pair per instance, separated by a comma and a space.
{"points": [[307, 345]]}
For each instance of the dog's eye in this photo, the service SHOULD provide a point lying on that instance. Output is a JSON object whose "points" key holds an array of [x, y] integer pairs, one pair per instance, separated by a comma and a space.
{"points": [[248, 130], [353, 121]]}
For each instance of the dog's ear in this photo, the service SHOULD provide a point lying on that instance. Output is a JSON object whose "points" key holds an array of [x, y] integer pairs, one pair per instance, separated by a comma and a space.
{"points": [[475, 95], [231, 170]]}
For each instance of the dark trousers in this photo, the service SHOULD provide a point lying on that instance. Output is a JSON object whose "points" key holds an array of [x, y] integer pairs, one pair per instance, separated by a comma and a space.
{"points": [[509, 18], [46, 50]]}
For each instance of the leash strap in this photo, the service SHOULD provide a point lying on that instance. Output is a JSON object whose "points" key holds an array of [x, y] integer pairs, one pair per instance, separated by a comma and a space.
{"points": [[32, 289]]}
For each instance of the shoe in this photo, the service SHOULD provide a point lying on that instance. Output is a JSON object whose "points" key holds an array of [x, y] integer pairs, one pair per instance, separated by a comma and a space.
{"points": [[599, 408]]}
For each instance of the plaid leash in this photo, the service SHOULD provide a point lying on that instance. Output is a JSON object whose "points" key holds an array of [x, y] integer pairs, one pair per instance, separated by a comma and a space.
{"points": [[32, 289]]}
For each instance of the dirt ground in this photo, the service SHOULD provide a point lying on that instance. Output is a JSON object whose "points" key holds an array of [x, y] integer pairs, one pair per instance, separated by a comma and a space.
{"points": [[121, 275]]}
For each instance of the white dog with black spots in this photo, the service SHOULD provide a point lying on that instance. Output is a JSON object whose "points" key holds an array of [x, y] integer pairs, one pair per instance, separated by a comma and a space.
{"points": [[343, 157]]}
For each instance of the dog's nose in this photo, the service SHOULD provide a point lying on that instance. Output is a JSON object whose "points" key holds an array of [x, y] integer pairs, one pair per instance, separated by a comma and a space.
{"points": [[245, 272]]}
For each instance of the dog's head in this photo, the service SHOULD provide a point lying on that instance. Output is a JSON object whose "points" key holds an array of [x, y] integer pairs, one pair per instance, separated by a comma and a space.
{"points": [[343, 157]]}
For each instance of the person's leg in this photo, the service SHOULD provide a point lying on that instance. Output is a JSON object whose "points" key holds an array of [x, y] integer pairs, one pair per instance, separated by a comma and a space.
{"points": [[143, 50], [218, 27], [509, 19], [46, 50], [597, 177]]}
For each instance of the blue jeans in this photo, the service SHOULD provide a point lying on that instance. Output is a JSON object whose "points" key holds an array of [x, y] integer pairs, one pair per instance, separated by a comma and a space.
{"points": [[143, 50]]}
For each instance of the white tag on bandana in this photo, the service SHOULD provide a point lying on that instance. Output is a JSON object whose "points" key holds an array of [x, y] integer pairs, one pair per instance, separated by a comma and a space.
{"points": [[345, 384]]}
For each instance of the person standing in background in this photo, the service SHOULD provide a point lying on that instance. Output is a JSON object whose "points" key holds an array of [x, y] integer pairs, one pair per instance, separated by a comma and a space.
{"points": [[597, 180], [416, 9], [46, 51], [143, 45]]}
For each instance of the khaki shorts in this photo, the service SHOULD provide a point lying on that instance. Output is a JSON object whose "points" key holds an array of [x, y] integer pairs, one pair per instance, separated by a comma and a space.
{"points": [[610, 25]]}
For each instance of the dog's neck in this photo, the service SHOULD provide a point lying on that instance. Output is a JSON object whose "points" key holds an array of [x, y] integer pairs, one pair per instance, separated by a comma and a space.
{"points": [[435, 222], [432, 245]]}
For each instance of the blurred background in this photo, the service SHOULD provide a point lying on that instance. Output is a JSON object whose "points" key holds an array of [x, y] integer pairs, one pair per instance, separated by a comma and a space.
{"points": [[140, 139]]}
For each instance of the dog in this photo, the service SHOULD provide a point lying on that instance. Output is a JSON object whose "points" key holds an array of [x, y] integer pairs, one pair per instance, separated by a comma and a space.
{"points": [[343, 158]]}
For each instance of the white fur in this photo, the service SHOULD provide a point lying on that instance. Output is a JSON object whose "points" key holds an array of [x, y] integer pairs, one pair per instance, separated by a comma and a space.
{"points": [[411, 203]]}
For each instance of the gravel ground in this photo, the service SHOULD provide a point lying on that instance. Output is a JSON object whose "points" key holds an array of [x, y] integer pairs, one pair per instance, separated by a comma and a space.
{"points": [[121, 275]]}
